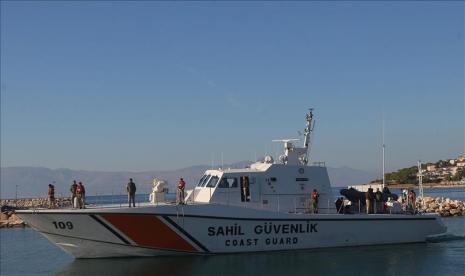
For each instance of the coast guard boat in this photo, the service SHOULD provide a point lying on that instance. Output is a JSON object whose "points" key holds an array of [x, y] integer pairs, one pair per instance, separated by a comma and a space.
{"points": [[263, 207]]}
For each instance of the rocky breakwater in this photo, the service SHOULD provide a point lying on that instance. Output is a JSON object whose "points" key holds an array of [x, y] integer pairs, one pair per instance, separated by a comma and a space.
{"points": [[8, 218], [445, 207]]}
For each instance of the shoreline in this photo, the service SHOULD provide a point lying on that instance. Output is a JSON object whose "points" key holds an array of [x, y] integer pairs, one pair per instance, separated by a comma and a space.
{"points": [[425, 186], [409, 186]]}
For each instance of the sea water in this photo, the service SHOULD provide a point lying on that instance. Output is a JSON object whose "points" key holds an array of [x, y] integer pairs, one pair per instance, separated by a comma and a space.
{"points": [[26, 252]]}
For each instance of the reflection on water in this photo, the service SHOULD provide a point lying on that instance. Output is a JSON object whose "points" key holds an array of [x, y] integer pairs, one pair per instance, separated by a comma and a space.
{"points": [[25, 252]]}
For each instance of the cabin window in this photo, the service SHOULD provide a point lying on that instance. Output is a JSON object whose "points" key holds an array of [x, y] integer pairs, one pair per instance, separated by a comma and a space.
{"points": [[213, 181], [201, 180], [228, 182], [273, 179], [205, 180]]}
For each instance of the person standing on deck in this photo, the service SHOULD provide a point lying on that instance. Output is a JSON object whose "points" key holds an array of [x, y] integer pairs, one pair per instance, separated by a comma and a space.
{"points": [[131, 188], [378, 201], [246, 189], [51, 196], [314, 201], [411, 201], [73, 193], [369, 198], [180, 193], [81, 195]]}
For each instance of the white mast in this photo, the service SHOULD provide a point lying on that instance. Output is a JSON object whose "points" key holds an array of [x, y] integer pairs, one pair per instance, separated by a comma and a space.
{"points": [[384, 158], [420, 179]]}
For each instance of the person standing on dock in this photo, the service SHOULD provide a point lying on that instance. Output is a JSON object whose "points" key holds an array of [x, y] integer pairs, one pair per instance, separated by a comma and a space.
{"points": [[180, 193], [51, 196], [131, 188], [73, 190], [314, 201], [81, 195]]}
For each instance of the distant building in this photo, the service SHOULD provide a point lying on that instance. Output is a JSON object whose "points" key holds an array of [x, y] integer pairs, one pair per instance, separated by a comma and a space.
{"points": [[453, 170], [448, 171], [452, 162], [461, 158], [431, 168], [460, 164]]}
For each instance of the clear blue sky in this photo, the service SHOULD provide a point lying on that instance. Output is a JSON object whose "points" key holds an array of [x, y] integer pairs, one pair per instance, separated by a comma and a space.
{"points": [[158, 85]]}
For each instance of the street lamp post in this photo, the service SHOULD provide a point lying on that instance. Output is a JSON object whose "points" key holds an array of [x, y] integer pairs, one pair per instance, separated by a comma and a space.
{"points": [[16, 195]]}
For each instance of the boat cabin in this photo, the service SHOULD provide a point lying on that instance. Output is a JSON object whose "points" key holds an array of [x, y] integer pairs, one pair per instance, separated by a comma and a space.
{"points": [[277, 187], [284, 186]]}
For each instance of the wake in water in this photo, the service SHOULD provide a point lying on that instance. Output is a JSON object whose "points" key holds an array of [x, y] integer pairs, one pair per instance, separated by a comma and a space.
{"points": [[445, 238]]}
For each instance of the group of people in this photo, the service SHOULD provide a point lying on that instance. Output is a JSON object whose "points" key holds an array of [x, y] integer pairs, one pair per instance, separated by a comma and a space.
{"points": [[78, 195], [409, 199]]}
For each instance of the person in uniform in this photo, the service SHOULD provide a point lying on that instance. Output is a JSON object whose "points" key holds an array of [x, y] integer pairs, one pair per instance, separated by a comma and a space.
{"points": [[378, 201], [131, 188], [411, 200], [73, 193], [369, 198], [51, 196], [340, 205], [81, 195], [314, 201], [246, 189], [180, 194]]}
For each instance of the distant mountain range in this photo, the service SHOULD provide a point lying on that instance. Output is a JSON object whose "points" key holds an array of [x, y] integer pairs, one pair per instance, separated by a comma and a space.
{"points": [[33, 181]]}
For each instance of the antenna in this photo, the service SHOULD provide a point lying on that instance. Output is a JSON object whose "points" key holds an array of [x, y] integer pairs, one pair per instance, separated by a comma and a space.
{"points": [[285, 140]]}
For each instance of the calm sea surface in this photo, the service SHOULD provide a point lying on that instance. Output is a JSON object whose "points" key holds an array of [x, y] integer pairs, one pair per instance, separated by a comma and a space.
{"points": [[25, 252]]}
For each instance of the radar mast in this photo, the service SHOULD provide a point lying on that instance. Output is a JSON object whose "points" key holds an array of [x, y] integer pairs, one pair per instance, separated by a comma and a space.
{"points": [[298, 155], [307, 133]]}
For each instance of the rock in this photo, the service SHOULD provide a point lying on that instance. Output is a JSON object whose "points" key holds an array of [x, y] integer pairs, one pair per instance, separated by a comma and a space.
{"points": [[455, 212], [14, 217], [445, 214], [4, 216]]}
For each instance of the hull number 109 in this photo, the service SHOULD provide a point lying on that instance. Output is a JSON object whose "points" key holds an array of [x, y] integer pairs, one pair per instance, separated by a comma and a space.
{"points": [[63, 224]]}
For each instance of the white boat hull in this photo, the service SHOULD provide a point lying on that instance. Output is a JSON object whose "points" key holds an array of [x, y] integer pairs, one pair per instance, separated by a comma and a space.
{"points": [[196, 229]]}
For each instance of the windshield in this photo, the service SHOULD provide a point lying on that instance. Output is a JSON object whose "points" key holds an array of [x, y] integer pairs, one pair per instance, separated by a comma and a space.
{"points": [[202, 179], [205, 180], [213, 181]]}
